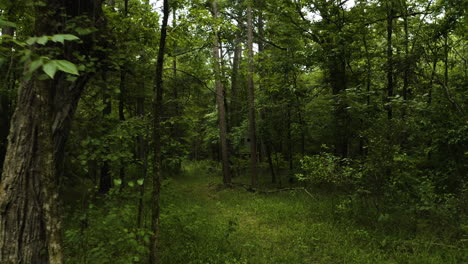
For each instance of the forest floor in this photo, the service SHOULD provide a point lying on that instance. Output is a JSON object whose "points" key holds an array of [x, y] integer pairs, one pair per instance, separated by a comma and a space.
{"points": [[202, 222]]}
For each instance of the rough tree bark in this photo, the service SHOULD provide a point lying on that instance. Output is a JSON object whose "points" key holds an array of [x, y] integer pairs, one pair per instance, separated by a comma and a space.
{"points": [[30, 227]]}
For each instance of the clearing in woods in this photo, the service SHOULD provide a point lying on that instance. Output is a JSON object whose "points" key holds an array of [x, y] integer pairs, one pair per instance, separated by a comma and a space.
{"points": [[202, 222]]}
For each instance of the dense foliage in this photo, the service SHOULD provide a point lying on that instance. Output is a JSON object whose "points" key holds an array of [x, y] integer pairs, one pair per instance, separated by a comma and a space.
{"points": [[360, 104]]}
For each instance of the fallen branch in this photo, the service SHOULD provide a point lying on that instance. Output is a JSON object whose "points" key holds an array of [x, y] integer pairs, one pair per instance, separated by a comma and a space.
{"points": [[266, 191]]}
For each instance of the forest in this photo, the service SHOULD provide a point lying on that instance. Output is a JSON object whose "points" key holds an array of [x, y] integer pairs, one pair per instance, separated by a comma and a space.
{"points": [[233, 131]]}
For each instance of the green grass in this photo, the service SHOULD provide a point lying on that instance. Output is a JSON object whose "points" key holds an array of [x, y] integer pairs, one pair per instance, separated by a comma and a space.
{"points": [[205, 223], [202, 222]]}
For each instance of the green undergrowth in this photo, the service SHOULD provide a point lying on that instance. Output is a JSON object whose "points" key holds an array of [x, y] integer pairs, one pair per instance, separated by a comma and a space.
{"points": [[203, 222]]}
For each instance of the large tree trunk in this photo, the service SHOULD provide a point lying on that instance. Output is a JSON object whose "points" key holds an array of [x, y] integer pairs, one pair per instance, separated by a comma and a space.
{"points": [[252, 129], [157, 131], [220, 102], [30, 228], [29, 182]]}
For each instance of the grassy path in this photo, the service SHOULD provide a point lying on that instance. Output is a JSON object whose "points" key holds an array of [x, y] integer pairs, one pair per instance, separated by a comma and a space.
{"points": [[203, 223]]}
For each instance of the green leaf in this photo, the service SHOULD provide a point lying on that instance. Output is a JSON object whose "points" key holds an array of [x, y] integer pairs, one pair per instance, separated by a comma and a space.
{"points": [[50, 68], [42, 40], [30, 41], [70, 37], [62, 37], [85, 31], [4, 23], [66, 66], [117, 181], [19, 43], [140, 181], [35, 65], [58, 38], [131, 183]]}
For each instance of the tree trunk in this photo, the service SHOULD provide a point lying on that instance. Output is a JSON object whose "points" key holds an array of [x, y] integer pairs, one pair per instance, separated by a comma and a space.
{"points": [[5, 99], [105, 181], [362, 138], [30, 226], [235, 83], [142, 156], [341, 116], [289, 142], [406, 64], [157, 131], [176, 128], [220, 102], [389, 60], [121, 98], [29, 170], [431, 81], [252, 129], [234, 112], [266, 137], [123, 74]]}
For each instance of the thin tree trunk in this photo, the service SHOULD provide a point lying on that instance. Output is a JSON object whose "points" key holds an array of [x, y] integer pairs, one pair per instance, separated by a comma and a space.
{"points": [[123, 75], [431, 81], [406, 44], [105, 180], [234, 105], [142, 156], [389, 59], [157, 131], [174, 68], [289, 142], [220, 102], [446, 77], [368, 70], [266, 138], [252, 129], [235, 83], [176, 130], [362, 139]]}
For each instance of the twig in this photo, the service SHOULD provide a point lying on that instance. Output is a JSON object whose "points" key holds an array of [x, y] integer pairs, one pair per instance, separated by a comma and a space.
{"points": [[266, 191]]}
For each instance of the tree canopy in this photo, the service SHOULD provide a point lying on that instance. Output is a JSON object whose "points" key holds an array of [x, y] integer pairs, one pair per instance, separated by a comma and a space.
{"points": [[108, 109]]}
